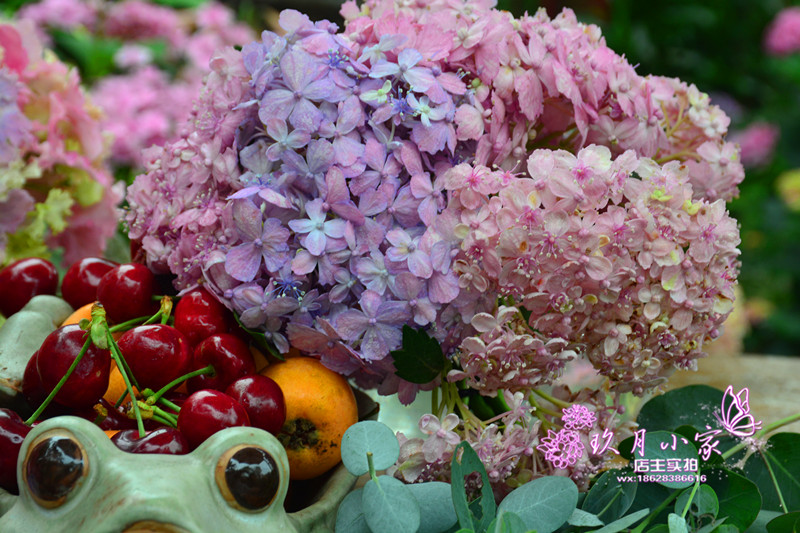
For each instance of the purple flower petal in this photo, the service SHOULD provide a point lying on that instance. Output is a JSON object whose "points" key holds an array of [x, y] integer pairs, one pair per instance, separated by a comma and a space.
{"points": [[242, 262]]}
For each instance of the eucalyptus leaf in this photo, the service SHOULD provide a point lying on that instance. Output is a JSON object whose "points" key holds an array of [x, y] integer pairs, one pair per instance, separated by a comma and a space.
{"points": [[350, 515], [693, 405], [581, 518], [465, 461], [609, 498], [653, 452], [660, 528], [713, 526], [789, 522], [760, 523], [435, 500], [783, 454], [705, 501], [723, 528], [544, 504], [623, 523], [373, 437], [389, 506], [739, 498], [677, 524], [507, 522]]}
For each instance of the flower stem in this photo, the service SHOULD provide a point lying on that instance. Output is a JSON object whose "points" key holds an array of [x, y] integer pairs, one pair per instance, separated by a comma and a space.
{"points": [[691, 497], [36, 414], [371, 465], [663, 505], [555, 401]]}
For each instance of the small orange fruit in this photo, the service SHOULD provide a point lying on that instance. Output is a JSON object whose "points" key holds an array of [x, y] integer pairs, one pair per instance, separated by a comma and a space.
{"points": [[111, 432], [116, 386], [320, 406], [79, 314]]}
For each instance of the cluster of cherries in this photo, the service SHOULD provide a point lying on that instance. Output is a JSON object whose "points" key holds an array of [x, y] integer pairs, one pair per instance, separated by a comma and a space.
{"points": [[197, 344]]}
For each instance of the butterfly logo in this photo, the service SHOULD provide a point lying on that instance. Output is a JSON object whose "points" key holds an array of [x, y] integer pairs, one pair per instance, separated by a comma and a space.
{"points": [[734, 415]]}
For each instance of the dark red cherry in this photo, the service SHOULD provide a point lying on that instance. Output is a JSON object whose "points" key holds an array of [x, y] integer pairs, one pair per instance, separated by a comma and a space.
{"points": [[207, 411], [32, 388], [230, 356], [161, 440], [88, 382], [199, 315], [12, 432], [126, 292], [22, 280], [263, 400], [79, 286], [156, 354]]}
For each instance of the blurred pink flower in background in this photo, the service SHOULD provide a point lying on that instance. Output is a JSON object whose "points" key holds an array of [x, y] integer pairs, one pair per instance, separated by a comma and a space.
{"points": [[783, 34], [757, 143]]}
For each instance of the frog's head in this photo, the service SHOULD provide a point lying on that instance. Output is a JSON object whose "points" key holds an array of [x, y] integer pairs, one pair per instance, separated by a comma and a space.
{"points": [[73, 478]]}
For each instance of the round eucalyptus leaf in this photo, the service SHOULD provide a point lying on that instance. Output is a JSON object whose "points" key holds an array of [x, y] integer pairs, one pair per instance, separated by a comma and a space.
{"points": [[373, 437], [610, 498], [693, 405], [350, 515], [782, 452], [658, 451], [787, 522], [739, 498], [544, 504], [435, 500], [677, 524], [389, 505], [705, 501]]}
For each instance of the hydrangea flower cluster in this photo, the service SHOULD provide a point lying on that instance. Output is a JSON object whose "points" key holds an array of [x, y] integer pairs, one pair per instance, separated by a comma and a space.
{"points": [[510, 186], [55, 188], [146, 103]]}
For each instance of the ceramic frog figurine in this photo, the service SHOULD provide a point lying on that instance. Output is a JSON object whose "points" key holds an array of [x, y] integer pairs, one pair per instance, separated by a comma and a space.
{"points": [[73, 478]]}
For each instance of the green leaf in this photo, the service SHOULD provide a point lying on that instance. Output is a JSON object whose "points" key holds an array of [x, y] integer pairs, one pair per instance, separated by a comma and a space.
{"points": [[760, 523], [581, 518], [716, 526], [705, 502], [465, 462], [507, 522], [350, 516], [738, 497], [369, 436], [788, 523], [693, 405], [544, 504], [610, 498], [677, 524], [435, 500], [420, 360], [782, 456], [623, 523], [653, 452], [723, 528], [389, 506]]}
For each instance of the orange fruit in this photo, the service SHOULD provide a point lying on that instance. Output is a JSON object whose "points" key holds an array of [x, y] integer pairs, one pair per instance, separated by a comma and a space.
{"points": [[111, 432], [79, 314], [116, 386], [320, 406]]}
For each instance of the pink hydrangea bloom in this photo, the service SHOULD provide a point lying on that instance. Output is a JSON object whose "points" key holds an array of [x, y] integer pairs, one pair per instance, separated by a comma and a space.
{"points": [[783, 34]]}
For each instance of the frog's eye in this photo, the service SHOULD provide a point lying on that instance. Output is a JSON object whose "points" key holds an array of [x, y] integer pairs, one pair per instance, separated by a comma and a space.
{"points": [[54, 466], [248, 478]]}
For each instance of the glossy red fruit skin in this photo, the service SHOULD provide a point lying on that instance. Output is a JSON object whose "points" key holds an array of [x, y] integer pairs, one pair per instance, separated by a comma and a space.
{"points": [[263, 400], [156, 354], [126, 292], [162, 440], [230, 356], [12, 432], [79, 286], [207, 411], [88, 382], [198, 315], [22, 280]]}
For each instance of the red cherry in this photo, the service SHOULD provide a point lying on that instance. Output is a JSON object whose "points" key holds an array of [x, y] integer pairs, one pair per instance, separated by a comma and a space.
{"points": [[156, 354], [199, 315], [12, 432], [89, 380], [126, 292], [207, 411], [263, 400], [161, 440], [22, 280], [79, 286], [230, 357]]}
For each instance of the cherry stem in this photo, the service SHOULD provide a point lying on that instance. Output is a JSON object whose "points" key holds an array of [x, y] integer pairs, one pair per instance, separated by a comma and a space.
{"points": [[158, 414], [167, 403], [36, 414], [124, 326], [153, 398], [166, 309], [121, 365]]}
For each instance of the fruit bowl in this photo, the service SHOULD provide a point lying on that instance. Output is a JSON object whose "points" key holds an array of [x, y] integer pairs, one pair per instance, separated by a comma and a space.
{"points": [[102, 488]]}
